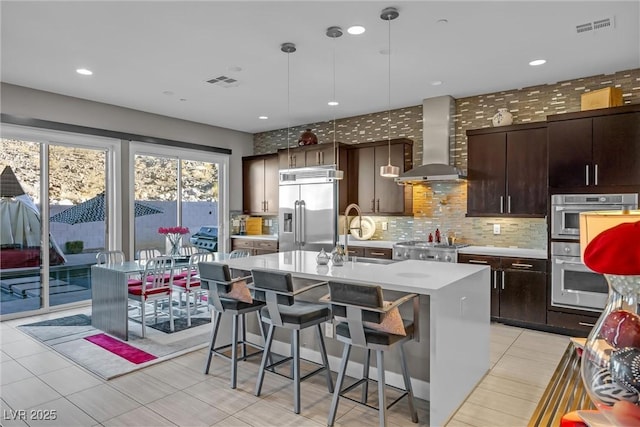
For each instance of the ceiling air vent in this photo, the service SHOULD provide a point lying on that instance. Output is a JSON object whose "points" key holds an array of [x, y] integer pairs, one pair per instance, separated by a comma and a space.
{"points": [[224, 81], [597, 25]]}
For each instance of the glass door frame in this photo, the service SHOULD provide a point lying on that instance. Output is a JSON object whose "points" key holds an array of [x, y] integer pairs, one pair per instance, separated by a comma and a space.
{"points": [[47, 138], [222, 160]]}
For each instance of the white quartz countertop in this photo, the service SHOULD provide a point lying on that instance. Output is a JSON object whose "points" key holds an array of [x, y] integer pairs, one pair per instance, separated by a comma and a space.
{"points": [[422, 277], [255, 236], [501, 251], [388, 244]]}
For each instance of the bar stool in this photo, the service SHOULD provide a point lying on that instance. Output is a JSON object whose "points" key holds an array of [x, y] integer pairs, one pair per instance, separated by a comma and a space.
{"points": [[224, 299], [283, 311], [364, 319]]}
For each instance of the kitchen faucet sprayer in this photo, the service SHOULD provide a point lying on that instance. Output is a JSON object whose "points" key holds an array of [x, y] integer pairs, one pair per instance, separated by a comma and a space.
{"points": [[348, 228]]}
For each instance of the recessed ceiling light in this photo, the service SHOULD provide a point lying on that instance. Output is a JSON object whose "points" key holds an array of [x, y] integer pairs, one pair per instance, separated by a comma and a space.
{"points": [[84, 71], [442, 21], [333, 103], [263, 117], [436, 83], [356, 30], [537, 62]]}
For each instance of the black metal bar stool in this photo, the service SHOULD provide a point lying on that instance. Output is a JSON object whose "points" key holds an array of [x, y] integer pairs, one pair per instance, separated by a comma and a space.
{"points": [[283, 311], [363, 319], [227, 296]]}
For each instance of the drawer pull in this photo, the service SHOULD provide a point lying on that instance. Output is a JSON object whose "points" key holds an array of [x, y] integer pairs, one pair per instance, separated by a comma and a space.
{"points": [[591, 325], [518, 265], [478, 261], [378, 253]]}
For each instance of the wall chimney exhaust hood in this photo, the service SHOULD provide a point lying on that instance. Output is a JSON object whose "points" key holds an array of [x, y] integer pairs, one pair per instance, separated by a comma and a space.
{"points": [[437, 126]]}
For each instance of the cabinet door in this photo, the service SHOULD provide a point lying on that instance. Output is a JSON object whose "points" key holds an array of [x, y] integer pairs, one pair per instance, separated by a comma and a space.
{"points": [[389, 196], [365, 161], [494, 263], [526, 172], [486, 174], [289, 159], [616, 149], [319, 155], [271, 184], [523, 296], [382, 253], [570, 153], [252, 186]]}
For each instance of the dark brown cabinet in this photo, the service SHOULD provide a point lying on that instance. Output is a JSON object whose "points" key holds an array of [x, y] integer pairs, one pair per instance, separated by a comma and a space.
{"points": [[370, 252], [308, 156], [372, 192], [518, 287], [260, 184], [507, 171], [595, 149]]}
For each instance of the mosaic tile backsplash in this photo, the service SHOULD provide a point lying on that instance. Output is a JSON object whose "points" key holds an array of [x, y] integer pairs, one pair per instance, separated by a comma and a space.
{"points": [[443, 205]]}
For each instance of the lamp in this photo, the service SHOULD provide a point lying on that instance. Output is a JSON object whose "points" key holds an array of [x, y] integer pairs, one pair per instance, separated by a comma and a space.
{"points": [[288, 48], [334, 33], [389, 171]]}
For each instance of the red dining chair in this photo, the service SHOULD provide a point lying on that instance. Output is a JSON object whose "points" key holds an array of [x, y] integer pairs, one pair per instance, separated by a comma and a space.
{"points": [[153, 287]]}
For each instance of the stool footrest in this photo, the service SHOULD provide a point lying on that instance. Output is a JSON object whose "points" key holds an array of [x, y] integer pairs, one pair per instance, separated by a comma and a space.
{"points": [[218, 350], [271, 367], [363, 380]]}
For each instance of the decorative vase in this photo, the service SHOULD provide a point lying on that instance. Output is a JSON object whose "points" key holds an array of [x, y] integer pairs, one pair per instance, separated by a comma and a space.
{"points": [[502, 118], [323, 258], [173, 244], [611, 356], [337, 256], [308, 138]]}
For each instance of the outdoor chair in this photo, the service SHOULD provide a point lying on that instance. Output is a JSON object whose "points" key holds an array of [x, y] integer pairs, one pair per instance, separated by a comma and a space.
{"points": [[363, 319], [282, 310], [153, 287], [189, 282], [228, 297]]}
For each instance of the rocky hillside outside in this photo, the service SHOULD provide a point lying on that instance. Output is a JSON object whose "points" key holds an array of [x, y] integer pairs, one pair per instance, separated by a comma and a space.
{"points": [[78, 174]]}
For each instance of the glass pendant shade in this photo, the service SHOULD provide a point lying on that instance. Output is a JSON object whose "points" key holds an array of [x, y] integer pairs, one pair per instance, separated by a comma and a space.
{"points": [[611, 354], [389, 171]]}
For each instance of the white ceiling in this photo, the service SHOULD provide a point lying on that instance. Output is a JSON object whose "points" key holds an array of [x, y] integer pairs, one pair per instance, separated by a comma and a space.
{"points": [[140, 50]]}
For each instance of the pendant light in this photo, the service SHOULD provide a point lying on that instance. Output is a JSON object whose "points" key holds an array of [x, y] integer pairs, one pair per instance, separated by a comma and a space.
{"points": [[334, 33], [389, 171], [288, 48]]}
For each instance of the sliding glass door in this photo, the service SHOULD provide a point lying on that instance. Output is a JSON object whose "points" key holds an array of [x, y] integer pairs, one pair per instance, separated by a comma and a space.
{"points": [[53, 215], [184, 184]]}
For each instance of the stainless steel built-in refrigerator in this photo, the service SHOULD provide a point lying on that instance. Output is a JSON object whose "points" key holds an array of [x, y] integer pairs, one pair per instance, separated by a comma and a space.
{"points": [[307, 214]]}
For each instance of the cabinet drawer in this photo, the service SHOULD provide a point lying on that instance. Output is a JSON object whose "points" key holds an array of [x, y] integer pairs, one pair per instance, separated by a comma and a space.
{"points": [[241, 243], [524, 264], [493, 262], [355, 251], [383, 253], [263, 251], [576, 322], [266, 245]]}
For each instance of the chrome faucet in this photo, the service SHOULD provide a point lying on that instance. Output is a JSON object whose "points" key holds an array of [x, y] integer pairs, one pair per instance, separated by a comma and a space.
{"points": [[348, 228]]}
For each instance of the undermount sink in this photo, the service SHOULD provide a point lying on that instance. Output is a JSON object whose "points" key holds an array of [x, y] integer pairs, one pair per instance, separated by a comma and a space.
{"points": [[364, 260]]}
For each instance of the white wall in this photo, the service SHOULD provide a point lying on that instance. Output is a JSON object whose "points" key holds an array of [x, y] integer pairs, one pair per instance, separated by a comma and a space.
{"points": [[31, 103]]}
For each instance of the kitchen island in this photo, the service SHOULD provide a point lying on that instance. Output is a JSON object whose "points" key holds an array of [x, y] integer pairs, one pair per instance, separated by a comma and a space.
{"points": [[452, 354]]}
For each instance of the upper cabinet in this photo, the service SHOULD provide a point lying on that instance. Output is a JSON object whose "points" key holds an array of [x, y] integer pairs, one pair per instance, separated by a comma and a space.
{"points": [[598, 148], [260, 185], [308, 156], [507, 174], [372, 192]]}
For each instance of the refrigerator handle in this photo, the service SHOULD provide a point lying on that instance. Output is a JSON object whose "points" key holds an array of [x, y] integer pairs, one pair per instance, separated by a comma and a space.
{"points": [[295, 221], [303, 212]]}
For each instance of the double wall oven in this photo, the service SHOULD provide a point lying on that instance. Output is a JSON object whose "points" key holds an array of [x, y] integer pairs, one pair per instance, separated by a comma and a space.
{"points": [[573, 284]]}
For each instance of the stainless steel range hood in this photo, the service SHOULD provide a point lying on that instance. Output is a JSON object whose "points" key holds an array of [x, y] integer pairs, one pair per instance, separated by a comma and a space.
{"points": [[437, 128]]}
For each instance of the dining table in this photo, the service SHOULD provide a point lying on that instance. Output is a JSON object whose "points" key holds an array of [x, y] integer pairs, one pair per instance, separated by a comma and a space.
{"points": [[110, 297]]}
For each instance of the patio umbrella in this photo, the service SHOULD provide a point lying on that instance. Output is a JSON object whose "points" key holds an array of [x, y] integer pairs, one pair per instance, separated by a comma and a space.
{"points": [[93, 210]]}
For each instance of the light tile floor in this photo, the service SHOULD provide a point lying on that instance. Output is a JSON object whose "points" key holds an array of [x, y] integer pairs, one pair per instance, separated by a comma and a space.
{"points": [[177, 393]]}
